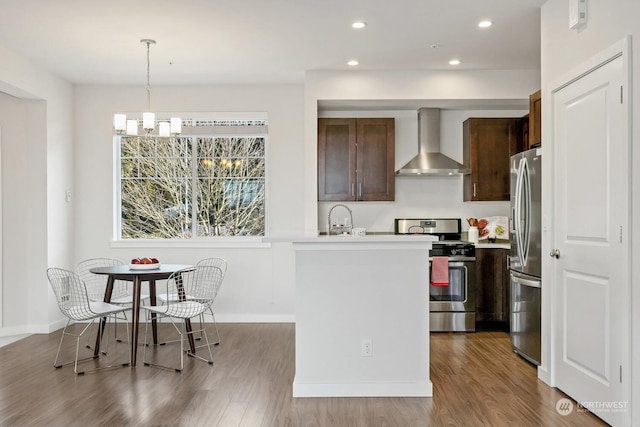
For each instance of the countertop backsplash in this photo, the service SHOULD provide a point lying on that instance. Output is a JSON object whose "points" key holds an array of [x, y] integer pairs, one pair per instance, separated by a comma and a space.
{"points": [[378, 217]]}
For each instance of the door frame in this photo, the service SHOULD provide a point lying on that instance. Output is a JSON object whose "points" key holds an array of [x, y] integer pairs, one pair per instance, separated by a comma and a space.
{"points": [[1, 258], [622, 48]]}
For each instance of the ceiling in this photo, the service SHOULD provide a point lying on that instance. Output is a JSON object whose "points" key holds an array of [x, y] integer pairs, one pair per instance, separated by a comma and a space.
{"points": [[265, 41]]}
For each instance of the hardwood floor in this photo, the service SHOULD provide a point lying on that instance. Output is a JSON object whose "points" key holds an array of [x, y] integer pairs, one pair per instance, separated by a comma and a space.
{"points": [[477, 381]]}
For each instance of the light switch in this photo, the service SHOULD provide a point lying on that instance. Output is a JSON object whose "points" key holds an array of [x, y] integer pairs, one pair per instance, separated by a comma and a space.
{"points": [[67, 196]]}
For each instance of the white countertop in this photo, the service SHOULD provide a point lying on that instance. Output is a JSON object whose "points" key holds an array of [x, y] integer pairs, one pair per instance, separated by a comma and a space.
{"points": [[366, 242], [375, 238], [368, 238]]}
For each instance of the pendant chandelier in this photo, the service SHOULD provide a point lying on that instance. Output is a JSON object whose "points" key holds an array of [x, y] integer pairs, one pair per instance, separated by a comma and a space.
{"points": [[166, 128]]}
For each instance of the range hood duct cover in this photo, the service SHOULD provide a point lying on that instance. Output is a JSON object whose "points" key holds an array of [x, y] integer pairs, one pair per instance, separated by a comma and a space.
{"points": [[430, 161]]}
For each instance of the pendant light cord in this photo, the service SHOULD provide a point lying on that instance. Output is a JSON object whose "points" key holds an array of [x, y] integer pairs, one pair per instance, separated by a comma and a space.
{"points": [[148, 78]]}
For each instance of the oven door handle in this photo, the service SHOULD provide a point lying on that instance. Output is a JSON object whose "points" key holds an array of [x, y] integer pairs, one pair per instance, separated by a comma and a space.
{"points": [[458, 261]]}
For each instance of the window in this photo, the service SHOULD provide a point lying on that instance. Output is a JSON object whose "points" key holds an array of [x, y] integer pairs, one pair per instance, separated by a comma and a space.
{"points": [[207, 182]]}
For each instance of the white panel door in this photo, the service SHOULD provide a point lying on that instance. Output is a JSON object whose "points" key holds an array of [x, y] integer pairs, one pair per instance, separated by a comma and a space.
{"points": [[591, 266]]}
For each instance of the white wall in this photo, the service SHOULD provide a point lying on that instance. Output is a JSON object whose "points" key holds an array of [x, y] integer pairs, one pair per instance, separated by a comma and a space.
{"points": [[562, 51], [320, 86], [420, 196], [16, 118], [37, 167], [259, 282]]}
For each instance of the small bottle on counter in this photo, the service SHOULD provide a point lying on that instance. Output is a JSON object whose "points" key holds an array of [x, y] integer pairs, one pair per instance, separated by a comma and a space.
{"points": [[473, 235]]}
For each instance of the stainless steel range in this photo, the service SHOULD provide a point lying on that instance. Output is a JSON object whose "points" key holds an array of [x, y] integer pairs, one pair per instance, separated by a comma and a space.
{"points": [[452, 304]]}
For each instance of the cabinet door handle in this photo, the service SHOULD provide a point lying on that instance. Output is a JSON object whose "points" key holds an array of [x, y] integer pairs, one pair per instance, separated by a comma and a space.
{"points": [[353, 189], [474, 190], [359, 189]]}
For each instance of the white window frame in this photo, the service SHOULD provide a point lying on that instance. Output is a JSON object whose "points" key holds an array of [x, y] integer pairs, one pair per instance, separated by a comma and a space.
{"points": [[194, 131]]}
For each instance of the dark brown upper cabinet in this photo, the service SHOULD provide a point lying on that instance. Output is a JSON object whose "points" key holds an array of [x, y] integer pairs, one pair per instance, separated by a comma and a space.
{"points": [[488, 144], [535, 119], [356, 159]]}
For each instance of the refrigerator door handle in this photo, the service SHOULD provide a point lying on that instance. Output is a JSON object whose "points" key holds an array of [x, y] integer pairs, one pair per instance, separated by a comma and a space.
{"points": [[526, 282], [526, 187], [518, 213]]}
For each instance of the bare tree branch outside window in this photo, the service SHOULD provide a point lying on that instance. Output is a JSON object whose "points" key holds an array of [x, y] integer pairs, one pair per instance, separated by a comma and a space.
{"points": [[188, 187]]}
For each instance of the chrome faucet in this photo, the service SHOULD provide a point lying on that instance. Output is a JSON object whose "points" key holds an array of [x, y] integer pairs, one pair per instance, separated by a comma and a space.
{"points": [[336, 228]]}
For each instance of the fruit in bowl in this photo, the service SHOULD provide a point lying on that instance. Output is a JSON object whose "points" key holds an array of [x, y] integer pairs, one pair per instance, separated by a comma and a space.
{"points": [[145, 260], [145, 263]]}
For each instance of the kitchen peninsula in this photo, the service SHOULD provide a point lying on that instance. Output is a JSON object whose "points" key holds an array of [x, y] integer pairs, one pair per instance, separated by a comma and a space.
{"points": [[362, 316]]}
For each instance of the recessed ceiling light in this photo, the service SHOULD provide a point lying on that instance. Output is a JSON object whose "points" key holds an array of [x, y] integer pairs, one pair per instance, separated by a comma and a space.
{"points": [[485, 24], [454, 62], [353, 63], [358, 24]]}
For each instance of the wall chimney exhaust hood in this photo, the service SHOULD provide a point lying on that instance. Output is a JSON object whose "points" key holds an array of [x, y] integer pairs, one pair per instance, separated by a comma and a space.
{"points": [[430, 161]]}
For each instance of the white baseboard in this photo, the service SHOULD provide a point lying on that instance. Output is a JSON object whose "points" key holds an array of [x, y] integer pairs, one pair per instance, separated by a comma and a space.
{"points": [[422, 389], [544, 375], [14, 331], [32, 329], [220, 318]]}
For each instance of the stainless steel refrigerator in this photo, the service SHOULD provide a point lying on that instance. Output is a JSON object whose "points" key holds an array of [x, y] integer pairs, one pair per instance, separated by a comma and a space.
{"points": [[525, 224]]}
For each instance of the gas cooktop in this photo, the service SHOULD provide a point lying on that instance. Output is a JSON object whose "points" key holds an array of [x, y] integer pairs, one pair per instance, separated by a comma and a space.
{"points": [[448, 231], [444, 228]]}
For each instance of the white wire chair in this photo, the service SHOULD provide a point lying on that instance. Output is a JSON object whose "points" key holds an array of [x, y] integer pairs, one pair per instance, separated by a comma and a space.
{"points": [[221, 263], [195, 288], [97, 283], [74, 303]]}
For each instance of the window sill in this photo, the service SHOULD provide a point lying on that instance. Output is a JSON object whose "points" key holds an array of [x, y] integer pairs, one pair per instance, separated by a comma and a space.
{"points": [[231, 243]]}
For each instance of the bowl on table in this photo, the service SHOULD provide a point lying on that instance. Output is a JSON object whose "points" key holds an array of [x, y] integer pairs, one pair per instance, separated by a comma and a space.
{"points": [[144, 264]]}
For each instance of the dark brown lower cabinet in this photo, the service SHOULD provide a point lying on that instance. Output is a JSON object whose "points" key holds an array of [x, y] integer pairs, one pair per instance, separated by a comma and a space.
{"points": [[492, 289]]}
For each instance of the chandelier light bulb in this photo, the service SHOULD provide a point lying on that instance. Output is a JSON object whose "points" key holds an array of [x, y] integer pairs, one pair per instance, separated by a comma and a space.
{"points": [[164, 129], [176, 125], [120, 123], [148, 122], [132, 127]]}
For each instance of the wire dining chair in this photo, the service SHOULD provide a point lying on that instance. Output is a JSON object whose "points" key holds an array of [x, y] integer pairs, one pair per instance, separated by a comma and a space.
{"points": [[73, 301], [97, 283], [221, 263], [195, 289]]}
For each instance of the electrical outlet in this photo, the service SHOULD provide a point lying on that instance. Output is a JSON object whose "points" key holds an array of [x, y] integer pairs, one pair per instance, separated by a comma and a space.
{"points": [[366, 349]]}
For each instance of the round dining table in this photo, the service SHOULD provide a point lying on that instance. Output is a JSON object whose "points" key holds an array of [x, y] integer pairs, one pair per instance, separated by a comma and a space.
{"points": [[136, 276]]}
